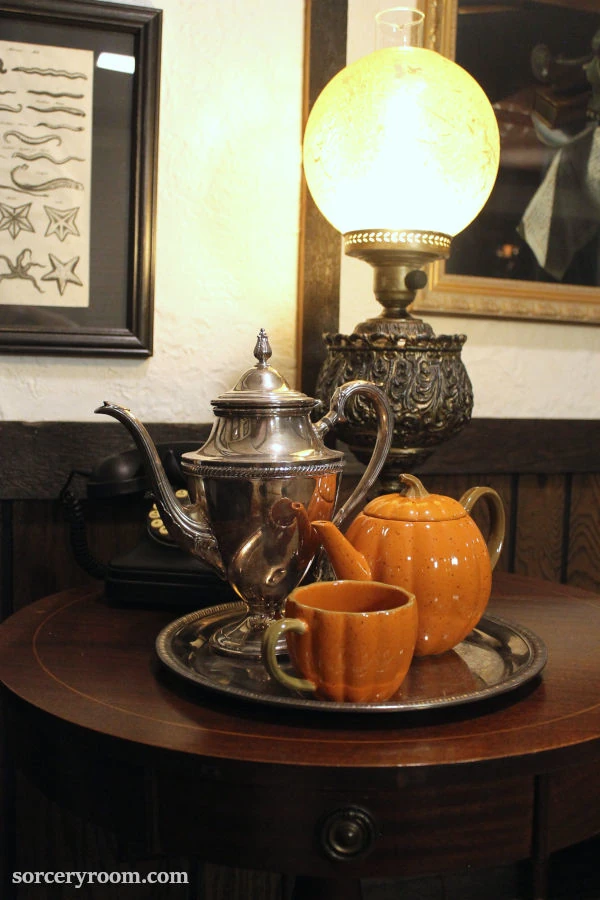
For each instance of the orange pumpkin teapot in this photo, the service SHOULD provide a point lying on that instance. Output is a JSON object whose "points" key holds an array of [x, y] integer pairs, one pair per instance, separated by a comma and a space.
{"points": [[429, 545]]}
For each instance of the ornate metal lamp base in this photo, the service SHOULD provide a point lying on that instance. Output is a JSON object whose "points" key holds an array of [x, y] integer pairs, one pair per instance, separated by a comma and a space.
{"points": [[422, 374], [425, 380]]}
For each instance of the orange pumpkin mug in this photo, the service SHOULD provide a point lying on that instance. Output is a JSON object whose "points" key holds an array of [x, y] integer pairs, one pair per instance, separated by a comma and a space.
{"points": [[430, 545], [351, 640]]}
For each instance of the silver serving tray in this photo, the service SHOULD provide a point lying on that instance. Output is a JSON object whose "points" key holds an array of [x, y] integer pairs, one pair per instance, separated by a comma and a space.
{"points": [[494, 658]]}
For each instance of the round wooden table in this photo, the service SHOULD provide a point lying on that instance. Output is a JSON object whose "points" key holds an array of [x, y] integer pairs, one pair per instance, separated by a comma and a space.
{"points": [[328, 798]]}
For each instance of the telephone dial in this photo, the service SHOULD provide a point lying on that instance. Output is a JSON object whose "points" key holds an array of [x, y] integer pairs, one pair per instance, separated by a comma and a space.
{"points": [[156, 572]]}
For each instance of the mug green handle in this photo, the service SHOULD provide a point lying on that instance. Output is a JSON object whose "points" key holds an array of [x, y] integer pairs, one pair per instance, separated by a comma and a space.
{"points": [[497, 517], [269, 654]]}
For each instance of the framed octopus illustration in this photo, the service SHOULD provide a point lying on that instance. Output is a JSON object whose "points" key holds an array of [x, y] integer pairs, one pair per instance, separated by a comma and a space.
{"points": [[79, 92]]}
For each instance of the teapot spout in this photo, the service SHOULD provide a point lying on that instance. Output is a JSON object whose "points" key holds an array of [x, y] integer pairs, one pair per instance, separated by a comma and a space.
{"points": [[188, 532], [346, 560]]}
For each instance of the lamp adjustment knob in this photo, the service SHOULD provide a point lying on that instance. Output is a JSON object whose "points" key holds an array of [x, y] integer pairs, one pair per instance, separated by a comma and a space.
{"points": [[347, 833], [415, 280]]}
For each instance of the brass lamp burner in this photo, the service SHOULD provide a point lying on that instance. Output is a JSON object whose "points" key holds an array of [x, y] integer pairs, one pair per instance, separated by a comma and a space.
{"points": [[397, 258]]}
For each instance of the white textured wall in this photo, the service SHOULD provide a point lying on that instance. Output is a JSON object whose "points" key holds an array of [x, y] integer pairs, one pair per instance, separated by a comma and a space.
{"points": [[229, 170], [227, 237], [518, 369]]}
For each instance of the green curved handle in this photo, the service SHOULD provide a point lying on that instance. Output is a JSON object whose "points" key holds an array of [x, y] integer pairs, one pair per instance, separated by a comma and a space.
{"points": [[497, 518], [269, 654]]}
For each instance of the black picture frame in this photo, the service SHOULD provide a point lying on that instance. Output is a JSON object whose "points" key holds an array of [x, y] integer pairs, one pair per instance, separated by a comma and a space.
{"points": [[119, 318]]}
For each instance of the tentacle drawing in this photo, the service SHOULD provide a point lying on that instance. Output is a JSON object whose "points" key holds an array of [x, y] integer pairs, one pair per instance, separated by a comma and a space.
{"points": [[70, 110], [51, 73], [56, 94], [57, 127], [36, 154], [29, 139], [20, 268], [50, 185]]}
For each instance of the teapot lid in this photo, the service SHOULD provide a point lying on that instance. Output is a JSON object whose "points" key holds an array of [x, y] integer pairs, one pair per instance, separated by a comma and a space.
{"points": [[399, 508], [416, 505], [262, 386], [262, 425]]}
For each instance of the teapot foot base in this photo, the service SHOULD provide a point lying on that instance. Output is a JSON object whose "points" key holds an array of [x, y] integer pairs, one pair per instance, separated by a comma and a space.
{"points": [[244, 638]]}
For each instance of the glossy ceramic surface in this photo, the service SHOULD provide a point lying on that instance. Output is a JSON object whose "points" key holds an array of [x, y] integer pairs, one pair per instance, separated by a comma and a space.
{"points": [[352, 641], [496, 658], [445, 564], [430, 545]]}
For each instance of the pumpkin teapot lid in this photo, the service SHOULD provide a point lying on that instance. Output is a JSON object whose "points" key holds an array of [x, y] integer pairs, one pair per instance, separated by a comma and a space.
{"points": [[416, 505]]}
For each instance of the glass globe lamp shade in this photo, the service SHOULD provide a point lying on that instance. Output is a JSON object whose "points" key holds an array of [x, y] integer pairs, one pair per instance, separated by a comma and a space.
{"points": [[402, 141]]}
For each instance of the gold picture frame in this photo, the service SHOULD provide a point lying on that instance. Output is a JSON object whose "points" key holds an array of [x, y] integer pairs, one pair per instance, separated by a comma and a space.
{"points": [[497, 297]]}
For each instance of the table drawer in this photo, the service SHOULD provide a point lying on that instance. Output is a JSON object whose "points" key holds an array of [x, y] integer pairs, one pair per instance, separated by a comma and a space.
{"points": [[410, 830]]}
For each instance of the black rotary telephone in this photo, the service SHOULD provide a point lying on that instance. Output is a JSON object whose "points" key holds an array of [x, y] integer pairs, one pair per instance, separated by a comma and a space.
{"points": [[156, 572]]}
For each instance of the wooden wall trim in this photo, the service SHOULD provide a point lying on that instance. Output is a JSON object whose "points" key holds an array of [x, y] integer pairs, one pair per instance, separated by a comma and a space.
{"points": [[320, 246], [524, 446], [37, 457]]}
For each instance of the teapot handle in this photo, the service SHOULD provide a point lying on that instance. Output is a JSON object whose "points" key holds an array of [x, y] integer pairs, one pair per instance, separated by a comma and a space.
{"points": [[383, 440], [497, 517]]}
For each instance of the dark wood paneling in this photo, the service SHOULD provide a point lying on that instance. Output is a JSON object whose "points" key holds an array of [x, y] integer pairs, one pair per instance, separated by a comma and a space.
{"points": [[544, 446], [43, 560], [583, 554], [551, 497], [540, 537], [38, 457]]}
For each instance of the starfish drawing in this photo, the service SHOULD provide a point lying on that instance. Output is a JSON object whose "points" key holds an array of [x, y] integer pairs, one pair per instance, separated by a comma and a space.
{"points": [[20, 268], [61, 222], [15, 219], [62, 272]]}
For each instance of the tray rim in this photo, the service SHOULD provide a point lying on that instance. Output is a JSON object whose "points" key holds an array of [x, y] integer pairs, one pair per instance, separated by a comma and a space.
{"points": [[537, 659]]}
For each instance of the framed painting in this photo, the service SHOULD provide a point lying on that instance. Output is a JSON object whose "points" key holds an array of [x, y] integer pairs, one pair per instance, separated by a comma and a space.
{"points": [[79, 94], [534, 250]]}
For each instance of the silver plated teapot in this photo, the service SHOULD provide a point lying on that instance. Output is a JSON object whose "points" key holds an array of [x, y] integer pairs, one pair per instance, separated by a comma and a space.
{"points": [[261, 478]]}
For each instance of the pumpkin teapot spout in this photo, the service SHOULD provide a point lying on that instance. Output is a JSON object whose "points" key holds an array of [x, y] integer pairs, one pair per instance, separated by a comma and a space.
{"points": [[347, 562]]}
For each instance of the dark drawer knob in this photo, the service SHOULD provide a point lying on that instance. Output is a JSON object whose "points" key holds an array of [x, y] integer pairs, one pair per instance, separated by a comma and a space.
{"points": [[347, 833]]}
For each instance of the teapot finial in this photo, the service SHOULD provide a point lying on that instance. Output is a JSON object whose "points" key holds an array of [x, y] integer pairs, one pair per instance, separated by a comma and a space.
{"points": [[262, 350]]}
